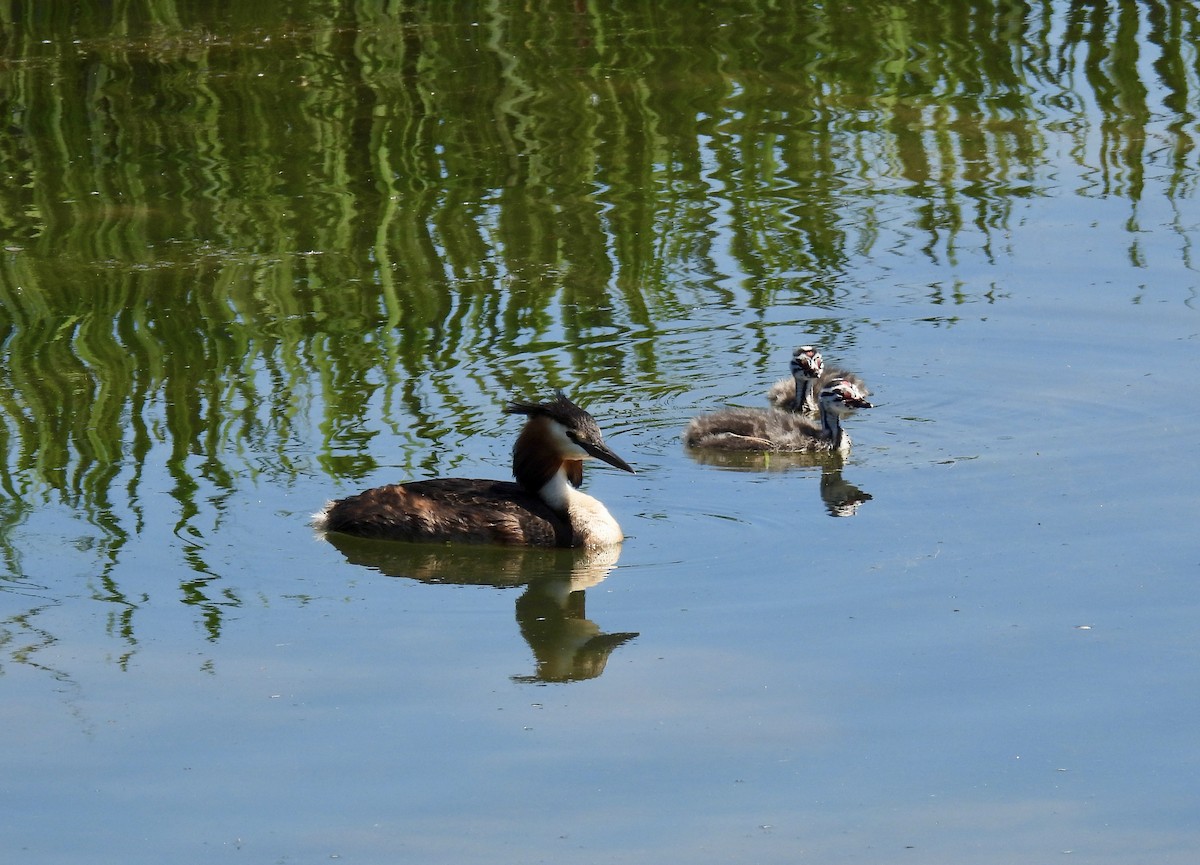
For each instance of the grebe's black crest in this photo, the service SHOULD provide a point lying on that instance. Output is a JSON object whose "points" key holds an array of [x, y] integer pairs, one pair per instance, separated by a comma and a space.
{"points": [[559, 433], [560, 409], [542, 508]]}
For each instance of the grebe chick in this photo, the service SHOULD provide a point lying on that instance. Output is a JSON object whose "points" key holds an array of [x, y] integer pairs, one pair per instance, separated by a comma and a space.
{"points": [[749, 429], [809, 375], [799, 393], [542, 509]]}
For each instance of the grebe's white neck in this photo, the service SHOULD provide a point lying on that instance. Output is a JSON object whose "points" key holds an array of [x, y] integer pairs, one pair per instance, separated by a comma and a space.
{"points": [[590, 521]]}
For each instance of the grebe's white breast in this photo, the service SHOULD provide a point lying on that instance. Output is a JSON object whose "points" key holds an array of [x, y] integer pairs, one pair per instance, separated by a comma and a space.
{"points": [[590, 520]]}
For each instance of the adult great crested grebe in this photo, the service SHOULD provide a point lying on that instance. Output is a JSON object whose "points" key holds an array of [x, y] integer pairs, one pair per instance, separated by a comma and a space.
{"points": [[543, 508]]}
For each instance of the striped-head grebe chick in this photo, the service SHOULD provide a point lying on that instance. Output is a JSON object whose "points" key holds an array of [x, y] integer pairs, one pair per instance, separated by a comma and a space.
{"points": [[749, 429], [799, 393], [542, 509]]}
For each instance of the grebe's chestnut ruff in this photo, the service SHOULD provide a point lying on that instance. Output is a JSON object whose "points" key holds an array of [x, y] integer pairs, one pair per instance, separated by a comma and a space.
{"points": [[543, 508]]}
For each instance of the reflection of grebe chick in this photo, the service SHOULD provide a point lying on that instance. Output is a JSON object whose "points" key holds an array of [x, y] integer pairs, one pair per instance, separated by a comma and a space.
{"points": [[542, 509], [842, 498], [746, 429], [798, 393]]}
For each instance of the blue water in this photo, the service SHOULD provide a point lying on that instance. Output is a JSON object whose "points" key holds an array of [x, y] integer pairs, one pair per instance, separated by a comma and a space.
{"points": [[991, 659]]}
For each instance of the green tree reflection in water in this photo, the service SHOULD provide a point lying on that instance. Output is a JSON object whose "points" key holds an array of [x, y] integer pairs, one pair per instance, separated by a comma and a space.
{"points": [[223, 228]]}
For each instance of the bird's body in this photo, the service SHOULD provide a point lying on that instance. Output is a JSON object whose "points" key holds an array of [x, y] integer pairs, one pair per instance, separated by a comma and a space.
{"points": [[748, 429], [451, 509], [543, 508]]}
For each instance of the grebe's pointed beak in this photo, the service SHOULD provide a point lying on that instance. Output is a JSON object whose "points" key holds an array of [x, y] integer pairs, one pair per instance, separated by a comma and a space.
{"points": [[601, 452]]}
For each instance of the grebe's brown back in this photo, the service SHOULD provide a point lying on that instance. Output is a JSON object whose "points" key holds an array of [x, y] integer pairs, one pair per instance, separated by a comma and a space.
{"points": [[543, 508]]}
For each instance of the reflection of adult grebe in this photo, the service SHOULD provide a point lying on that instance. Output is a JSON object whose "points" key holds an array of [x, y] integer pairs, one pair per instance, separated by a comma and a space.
{"points": [[566, 645], [542, 509], [799, 393], [746, 429]]}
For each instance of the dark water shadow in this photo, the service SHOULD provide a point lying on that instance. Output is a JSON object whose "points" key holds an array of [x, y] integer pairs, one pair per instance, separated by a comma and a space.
{"points": [[551, 613]]}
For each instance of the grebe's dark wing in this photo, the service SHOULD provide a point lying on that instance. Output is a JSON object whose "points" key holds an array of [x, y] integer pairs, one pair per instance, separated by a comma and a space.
{"points": [[450, 509]]}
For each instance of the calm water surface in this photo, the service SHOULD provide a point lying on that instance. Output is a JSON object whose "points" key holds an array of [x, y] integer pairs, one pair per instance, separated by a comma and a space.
{"points": [[255, 260]]}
